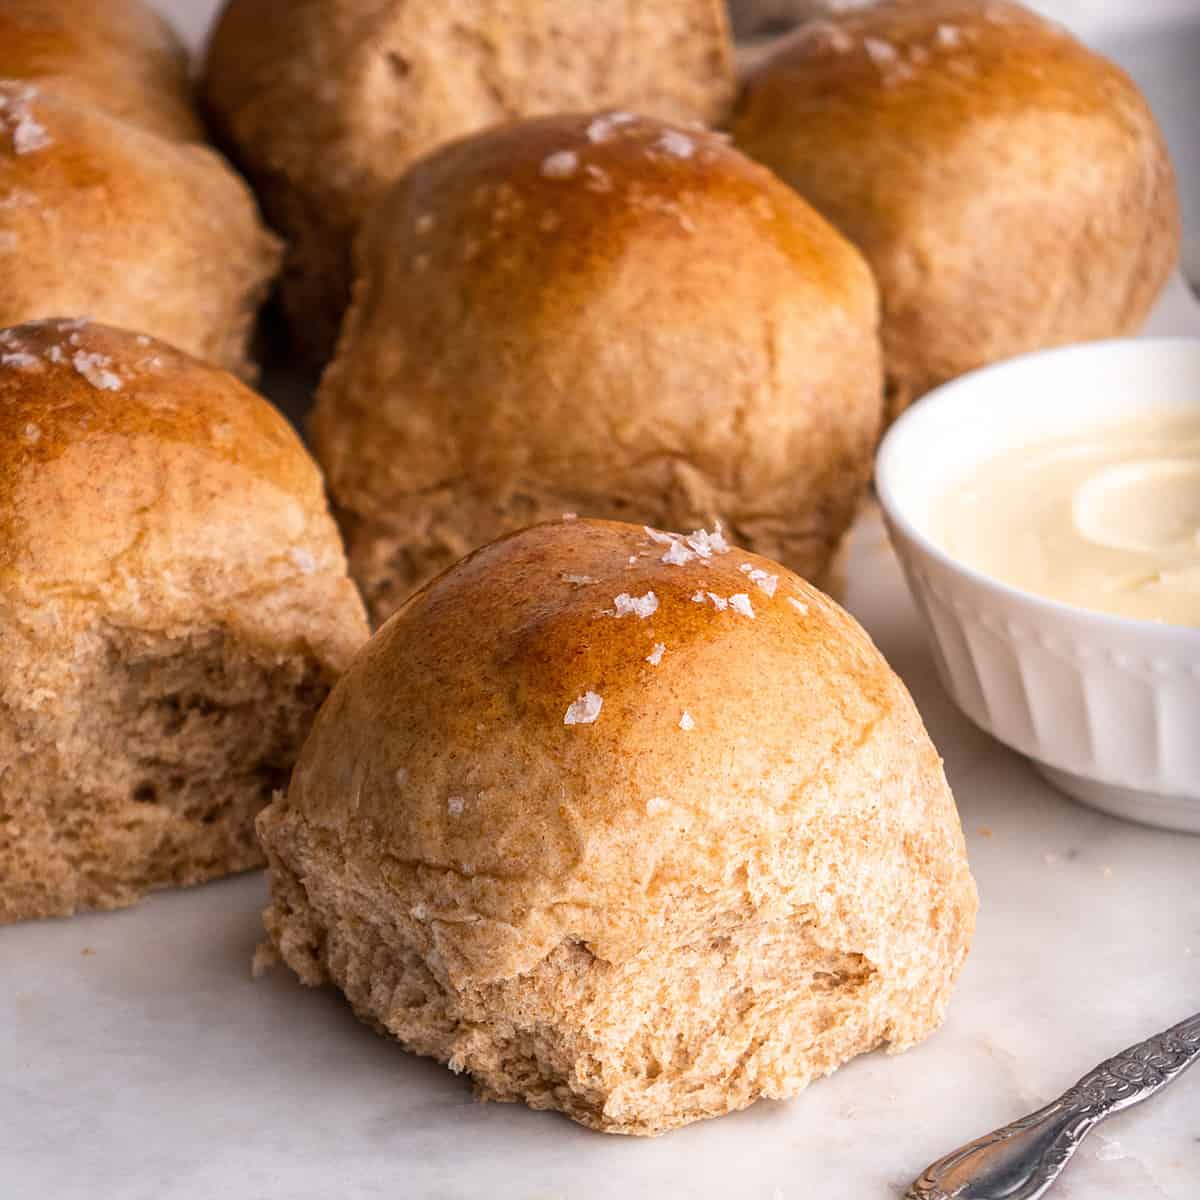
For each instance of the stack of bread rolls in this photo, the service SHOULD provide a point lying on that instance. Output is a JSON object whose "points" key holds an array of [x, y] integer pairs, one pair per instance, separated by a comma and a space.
{"points": [[623, 820]]}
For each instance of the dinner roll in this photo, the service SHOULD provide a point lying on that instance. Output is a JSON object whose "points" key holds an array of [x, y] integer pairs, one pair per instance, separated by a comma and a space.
{"points": [[631, 825], [1009, 187], [324, 102], [174, 607], [116, 55], [605, 315], [101, 217]]}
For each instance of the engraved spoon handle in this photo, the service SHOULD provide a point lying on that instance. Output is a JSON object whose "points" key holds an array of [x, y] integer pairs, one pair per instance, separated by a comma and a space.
{"points": [[1021, 1160]]}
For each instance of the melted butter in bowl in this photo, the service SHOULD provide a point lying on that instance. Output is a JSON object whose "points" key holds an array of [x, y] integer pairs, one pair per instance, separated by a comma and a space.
{"points": [[1107, 520]]}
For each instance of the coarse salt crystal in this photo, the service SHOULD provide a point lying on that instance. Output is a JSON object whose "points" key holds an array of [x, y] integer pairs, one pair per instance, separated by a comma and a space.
{"points": [[94, 368], [424, 224], [881, 53], [707, 544], [798, 605], [303, 560], [31, 433], [767, 582], [142, 340], [686, 722], [598, 179], [719, 602], [641, 606], [401, 776], [698, 598], [741, 603], [585, 710], [602, 128], [677, 555], [418, 912], [579, 580], [655, 805], [454, 806], [677, 144], [560, 165], [55, 354], [29, 136], [659, 536], [655, 656], [570, 516], [18, 359], [948, 36]]}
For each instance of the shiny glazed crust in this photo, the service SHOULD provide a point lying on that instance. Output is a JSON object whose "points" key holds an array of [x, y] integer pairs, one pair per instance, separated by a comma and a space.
{"points": [[605, 315], [1009, 187]]}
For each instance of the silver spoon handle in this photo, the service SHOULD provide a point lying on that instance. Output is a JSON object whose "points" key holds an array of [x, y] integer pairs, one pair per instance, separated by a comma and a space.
{"points": [[1021, 1160]]}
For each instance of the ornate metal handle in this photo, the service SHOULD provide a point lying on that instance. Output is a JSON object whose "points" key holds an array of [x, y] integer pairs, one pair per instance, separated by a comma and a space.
{"points": [[1022, 1160]]}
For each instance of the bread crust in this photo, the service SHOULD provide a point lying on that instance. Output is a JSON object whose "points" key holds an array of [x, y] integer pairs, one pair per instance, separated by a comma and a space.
{"points": [[158, 520], [639, 918], [119, 56], [325, 103], [1009, 187], [600, 314], [100, 217]]}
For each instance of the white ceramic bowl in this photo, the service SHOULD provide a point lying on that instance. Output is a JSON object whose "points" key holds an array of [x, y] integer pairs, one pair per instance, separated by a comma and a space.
{"points": [[1107, 708]]}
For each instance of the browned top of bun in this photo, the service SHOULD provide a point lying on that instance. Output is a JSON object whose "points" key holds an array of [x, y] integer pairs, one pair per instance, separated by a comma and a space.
{"points": [[589, 729], [143, 483], [100, 217], [988, 164], [860, 72], [581, 304], [116, 55]]}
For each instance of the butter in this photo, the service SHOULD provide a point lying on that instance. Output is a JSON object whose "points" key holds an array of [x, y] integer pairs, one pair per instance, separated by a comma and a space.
{"points": [[1107, 520]]}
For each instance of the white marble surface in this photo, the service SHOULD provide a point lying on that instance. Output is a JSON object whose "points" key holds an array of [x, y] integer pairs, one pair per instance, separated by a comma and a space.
{"points": [[140, 1060]]}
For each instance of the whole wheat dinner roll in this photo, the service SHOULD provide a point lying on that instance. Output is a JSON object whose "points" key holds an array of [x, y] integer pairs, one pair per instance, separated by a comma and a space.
{"points": [[174, 607], [627, 824], [605, 315], [1009, 187], [116, 55], [325, 102], [100, 217]]}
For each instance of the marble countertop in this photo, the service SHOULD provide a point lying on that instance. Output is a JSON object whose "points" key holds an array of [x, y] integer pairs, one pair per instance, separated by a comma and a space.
{"points": [[141, 1061]]}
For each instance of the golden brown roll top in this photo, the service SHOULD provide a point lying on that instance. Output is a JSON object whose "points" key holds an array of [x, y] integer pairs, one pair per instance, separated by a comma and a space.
{"points": [[325, 103], [605, 314], [99, 217], [1009, 187], [141, 484], [118, 56]]}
